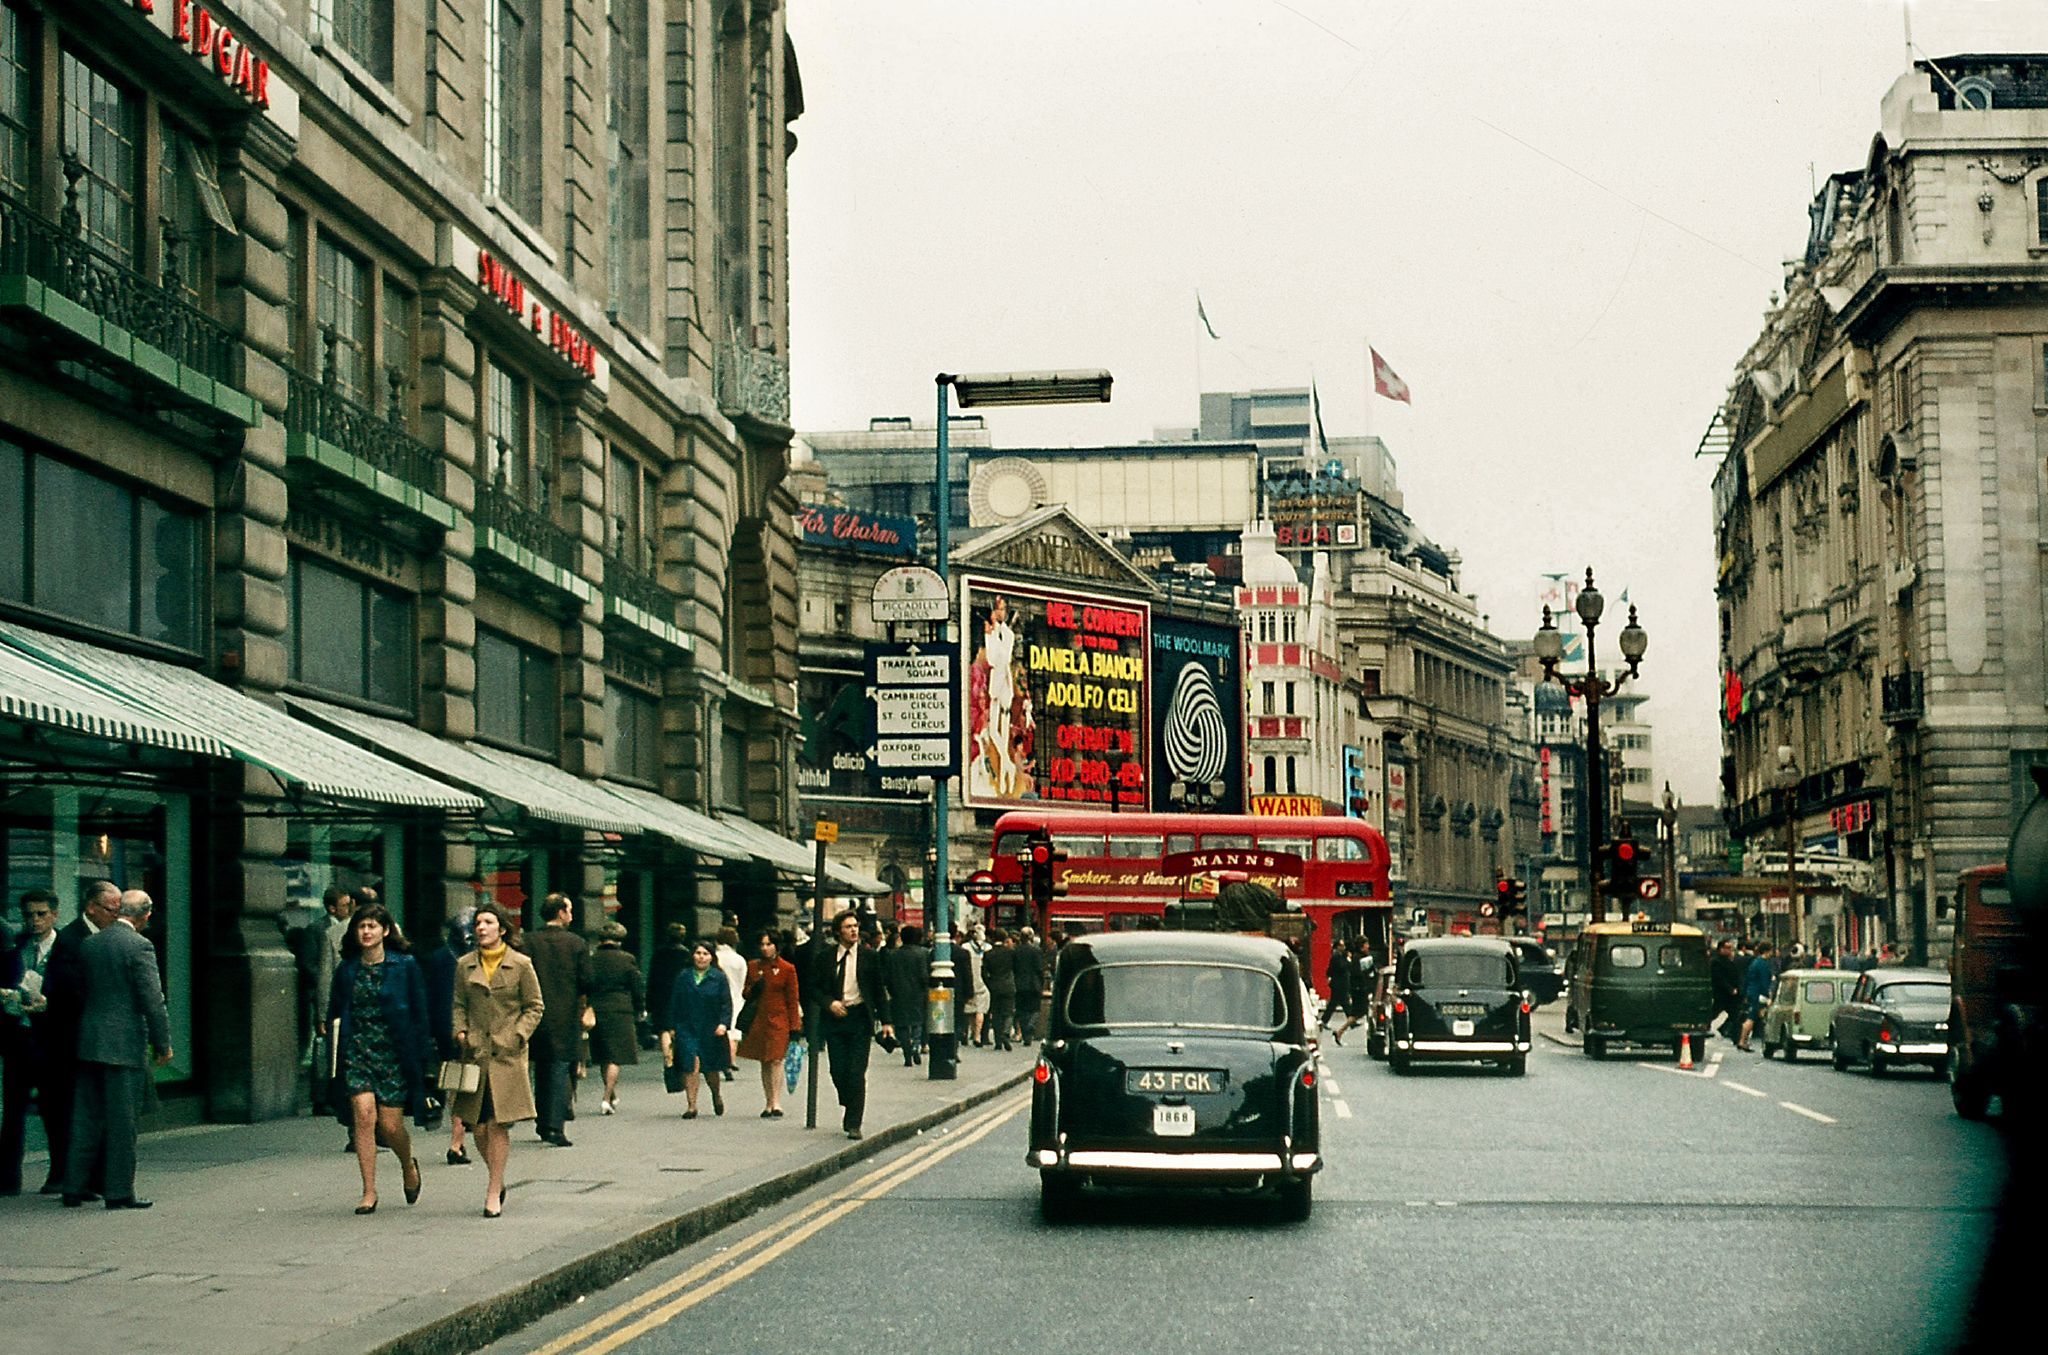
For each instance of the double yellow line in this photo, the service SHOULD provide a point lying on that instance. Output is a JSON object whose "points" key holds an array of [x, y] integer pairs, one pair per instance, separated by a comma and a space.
{"points": [[638, 1316]]}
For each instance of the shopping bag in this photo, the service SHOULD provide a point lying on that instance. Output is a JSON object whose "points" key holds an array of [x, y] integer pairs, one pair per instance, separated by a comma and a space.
{"points": [[793, 1064]]}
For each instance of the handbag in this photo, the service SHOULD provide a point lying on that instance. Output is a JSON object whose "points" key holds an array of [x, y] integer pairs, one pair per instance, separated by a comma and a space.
{"points": [[459, 1077], [749, 1009], [671, 1072], [793, 1065]]}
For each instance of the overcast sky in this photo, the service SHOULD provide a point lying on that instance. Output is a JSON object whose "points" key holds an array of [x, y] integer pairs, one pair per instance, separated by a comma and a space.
{"points": [[1560, 223]]}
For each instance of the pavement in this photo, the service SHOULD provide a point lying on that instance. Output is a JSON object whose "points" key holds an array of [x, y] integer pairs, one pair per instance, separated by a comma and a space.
{"points": [[253, 1246]]}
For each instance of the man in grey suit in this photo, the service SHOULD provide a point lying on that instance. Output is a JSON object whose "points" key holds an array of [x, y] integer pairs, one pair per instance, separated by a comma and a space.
{"points": [[124, 1019]]}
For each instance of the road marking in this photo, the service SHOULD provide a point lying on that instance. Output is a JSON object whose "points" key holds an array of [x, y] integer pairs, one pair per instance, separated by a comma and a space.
{"points": [[1713, 1068], [1809, 1114], [1738, 1087], [1330, 1085], [785, 1233], [1343, 1109]]}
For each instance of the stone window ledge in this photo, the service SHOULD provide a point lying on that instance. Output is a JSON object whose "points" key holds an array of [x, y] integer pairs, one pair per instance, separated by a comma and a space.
{"points": [[359, 77]]}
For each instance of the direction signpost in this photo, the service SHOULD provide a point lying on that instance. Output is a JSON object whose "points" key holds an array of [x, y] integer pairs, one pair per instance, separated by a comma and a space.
{"points": [[916, 709]]}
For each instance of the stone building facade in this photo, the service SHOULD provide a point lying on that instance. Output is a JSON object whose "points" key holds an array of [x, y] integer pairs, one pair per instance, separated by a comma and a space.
{"points": [[452, 341], [1879, 512]]}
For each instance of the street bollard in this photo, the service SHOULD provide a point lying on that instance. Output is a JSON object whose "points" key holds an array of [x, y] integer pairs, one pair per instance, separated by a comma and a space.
{"points": [[942, 1049]]}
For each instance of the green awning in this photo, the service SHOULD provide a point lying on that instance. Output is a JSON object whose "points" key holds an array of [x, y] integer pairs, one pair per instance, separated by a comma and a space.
{"points": [[799, 858], [33, 692], [680, 823]]}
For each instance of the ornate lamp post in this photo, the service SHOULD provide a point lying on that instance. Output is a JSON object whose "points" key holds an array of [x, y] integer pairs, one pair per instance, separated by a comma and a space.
{"points": [[1594, 688], [1788, 772], [1668, 818]]}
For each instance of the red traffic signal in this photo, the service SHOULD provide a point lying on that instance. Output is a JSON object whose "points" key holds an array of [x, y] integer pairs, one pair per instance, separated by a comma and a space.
{"points": [[1504, 887], [1625, 850], [1041, 853]]}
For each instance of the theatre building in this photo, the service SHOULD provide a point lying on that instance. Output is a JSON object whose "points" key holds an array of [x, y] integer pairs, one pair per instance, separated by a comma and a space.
{"points": [[393, 418]]}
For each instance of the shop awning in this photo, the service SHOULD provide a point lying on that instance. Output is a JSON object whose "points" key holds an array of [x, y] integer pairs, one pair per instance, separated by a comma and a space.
{"points": [[236, 725], [526, 783], [798, 858], [35, 693], [680, 823]]}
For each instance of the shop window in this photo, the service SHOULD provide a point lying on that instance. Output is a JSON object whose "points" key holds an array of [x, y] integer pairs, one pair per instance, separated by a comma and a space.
{"points": [[102, 127], [516, 693], [634, 719], [350, 637], [512, 105], [88, 548], [17, 106]]}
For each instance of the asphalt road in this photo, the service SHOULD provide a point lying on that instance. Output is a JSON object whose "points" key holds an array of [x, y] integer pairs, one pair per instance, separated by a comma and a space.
{"points": [[1585, 1207]]}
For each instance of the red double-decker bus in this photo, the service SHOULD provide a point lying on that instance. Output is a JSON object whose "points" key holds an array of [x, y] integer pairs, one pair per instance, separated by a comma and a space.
{"points": [[1115, 882]]}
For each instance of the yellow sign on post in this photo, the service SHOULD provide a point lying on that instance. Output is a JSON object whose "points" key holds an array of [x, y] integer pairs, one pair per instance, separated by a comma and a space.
{"points": [[825, 831]]}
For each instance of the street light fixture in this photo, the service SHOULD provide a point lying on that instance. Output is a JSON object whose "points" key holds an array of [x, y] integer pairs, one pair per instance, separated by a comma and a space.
{"points": [[1549, 648], [1788, 773], [981, 390], [1668, 817]]}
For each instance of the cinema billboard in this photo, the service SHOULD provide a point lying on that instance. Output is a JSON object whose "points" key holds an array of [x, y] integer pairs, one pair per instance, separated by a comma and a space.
{"points": [[1058, 709]]}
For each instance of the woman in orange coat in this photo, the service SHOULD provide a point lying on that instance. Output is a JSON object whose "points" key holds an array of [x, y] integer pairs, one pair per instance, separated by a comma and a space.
{"points": [[777, 1014]]}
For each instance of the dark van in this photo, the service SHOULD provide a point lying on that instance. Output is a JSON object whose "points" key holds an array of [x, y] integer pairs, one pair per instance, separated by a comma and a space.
{"points": [[1175, 1059], [1639, 983]]}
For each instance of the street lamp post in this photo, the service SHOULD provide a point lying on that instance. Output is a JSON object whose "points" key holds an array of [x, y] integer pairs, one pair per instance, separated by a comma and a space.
{"points": [[983, 390], [1788, 772], [1668, 817], [1594, 688]]}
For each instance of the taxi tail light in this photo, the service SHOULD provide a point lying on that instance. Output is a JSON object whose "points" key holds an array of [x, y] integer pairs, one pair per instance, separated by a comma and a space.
{"points": [[1525, 1009], [1308, 1077], [1041, 1073], [1885, 1035], [1400, 1007]]}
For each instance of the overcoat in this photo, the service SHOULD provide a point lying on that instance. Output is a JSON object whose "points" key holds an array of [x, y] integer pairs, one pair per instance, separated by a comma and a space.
{"points": [[695, 1011], [493, 1022], [906, 970], [561, 961], [616, 995], [773, 987]]}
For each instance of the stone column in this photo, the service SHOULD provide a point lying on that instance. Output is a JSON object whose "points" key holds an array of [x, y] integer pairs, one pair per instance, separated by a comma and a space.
{"points": [[251, 980], [579, 453]]}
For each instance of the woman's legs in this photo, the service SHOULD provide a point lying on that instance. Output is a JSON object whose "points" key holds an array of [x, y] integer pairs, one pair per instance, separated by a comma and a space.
{"points": [[691, 1077], [611, 1084], [496, 1141], [455, 1136], [771, 1084], [392, 1133], [363, 1108]]}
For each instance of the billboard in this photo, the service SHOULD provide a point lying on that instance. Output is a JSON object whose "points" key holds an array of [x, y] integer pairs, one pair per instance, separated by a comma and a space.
{"points": [[1198, 718], [1058, 697], [855, 529], [1311, 506]]}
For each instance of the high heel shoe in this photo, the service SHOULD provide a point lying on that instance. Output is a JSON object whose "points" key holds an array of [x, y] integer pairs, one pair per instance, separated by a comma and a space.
{"points": [[369, 1208], [458, 1159], [497, 1213], [717, 1100], [412, 1191]]}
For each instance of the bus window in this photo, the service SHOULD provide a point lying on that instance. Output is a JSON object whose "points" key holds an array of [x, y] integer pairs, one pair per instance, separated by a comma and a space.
{"points": [[1227, 842], [1010, 844], [1339, 849], [1180, 842], [1134, 848], [1294, 846], [1079, 846]]}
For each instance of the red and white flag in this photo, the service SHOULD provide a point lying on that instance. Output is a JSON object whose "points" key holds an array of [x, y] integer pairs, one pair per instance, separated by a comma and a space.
{"points": [[1385, 382]]}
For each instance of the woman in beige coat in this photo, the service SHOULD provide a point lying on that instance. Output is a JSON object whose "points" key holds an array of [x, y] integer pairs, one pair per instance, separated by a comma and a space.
{"points": [[497, 1008]]}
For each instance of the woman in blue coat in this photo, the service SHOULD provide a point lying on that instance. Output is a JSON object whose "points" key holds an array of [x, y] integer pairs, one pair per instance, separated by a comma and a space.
{"points": [[384, 1046], [694, 1036]]}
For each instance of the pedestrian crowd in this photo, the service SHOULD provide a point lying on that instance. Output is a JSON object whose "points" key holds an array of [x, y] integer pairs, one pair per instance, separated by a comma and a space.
{"points": [[494, 1028]]}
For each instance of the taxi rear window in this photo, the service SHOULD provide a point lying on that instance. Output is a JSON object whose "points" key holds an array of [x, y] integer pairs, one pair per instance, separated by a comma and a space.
{"points": [[1458, 969], [1178, 994], [1627, 955]]}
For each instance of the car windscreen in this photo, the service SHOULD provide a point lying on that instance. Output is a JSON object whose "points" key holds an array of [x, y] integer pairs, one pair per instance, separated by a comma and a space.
{"points": [[1917, 998], [1186, 994], [1458, 969]]}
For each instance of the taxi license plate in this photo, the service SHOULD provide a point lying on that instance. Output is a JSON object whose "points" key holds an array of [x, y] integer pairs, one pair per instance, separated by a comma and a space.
{"points": [[1461, 1027], [1173, 1122]]}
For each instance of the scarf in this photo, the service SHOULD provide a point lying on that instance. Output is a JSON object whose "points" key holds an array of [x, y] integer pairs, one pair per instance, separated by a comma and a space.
{"points": [[490, 956]]}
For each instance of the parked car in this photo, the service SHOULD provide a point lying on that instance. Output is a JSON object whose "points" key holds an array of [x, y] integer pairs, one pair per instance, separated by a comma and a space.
{"points": [[1894, 1016], [1175, 1059], [1377, 1012], [1542, 975], [1801, 1011], [1998, 975], [1639, 983], [1458, 998]]}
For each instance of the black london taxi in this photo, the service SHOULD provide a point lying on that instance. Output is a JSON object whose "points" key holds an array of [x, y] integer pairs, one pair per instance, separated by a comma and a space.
{"points": [[1894, 1016], [1457, 998], [1639, 983], [1175, 1059]]}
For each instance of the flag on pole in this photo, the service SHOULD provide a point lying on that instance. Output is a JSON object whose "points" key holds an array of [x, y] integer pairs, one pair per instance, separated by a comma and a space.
{"points": [[1203, 316], [1385, 382], [1315, 401]]}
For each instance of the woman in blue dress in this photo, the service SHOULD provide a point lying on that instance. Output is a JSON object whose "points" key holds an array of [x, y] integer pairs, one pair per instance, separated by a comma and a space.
{"points": [[693, 1038], [385, 1045]]}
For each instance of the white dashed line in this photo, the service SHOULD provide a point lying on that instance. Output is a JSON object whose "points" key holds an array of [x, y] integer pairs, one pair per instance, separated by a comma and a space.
{"points": [[1809, 1114], [1330, 1086], [1342, 1108], [1738, 1087]]}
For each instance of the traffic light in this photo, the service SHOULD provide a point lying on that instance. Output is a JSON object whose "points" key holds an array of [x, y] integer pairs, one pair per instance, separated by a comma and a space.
{"points": [[1623, 861], [1518, 897], [1503, 897], [1038, 859]]}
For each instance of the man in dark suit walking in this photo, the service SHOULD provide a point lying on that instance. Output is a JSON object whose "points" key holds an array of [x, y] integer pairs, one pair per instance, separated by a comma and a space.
{"points": [[849, 980], [562, 964], [906, 974], [124, 1019], [64, 987], [24, 1026]]}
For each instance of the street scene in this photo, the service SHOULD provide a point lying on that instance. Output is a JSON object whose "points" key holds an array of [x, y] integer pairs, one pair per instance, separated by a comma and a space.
{"points": [[751, 674]]}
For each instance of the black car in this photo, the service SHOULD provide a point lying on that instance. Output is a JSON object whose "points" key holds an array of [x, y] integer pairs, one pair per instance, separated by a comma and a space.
{"points": [[1894, 1016], [1457, 998], [1542, 976], [1179, 1059]]}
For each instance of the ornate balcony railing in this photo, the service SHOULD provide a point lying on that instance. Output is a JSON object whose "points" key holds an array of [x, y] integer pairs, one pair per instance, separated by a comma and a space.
{"points": [[1903, 697], [638, 588], [318, 410], [753, 384], [500, 510], [35, 247]]}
